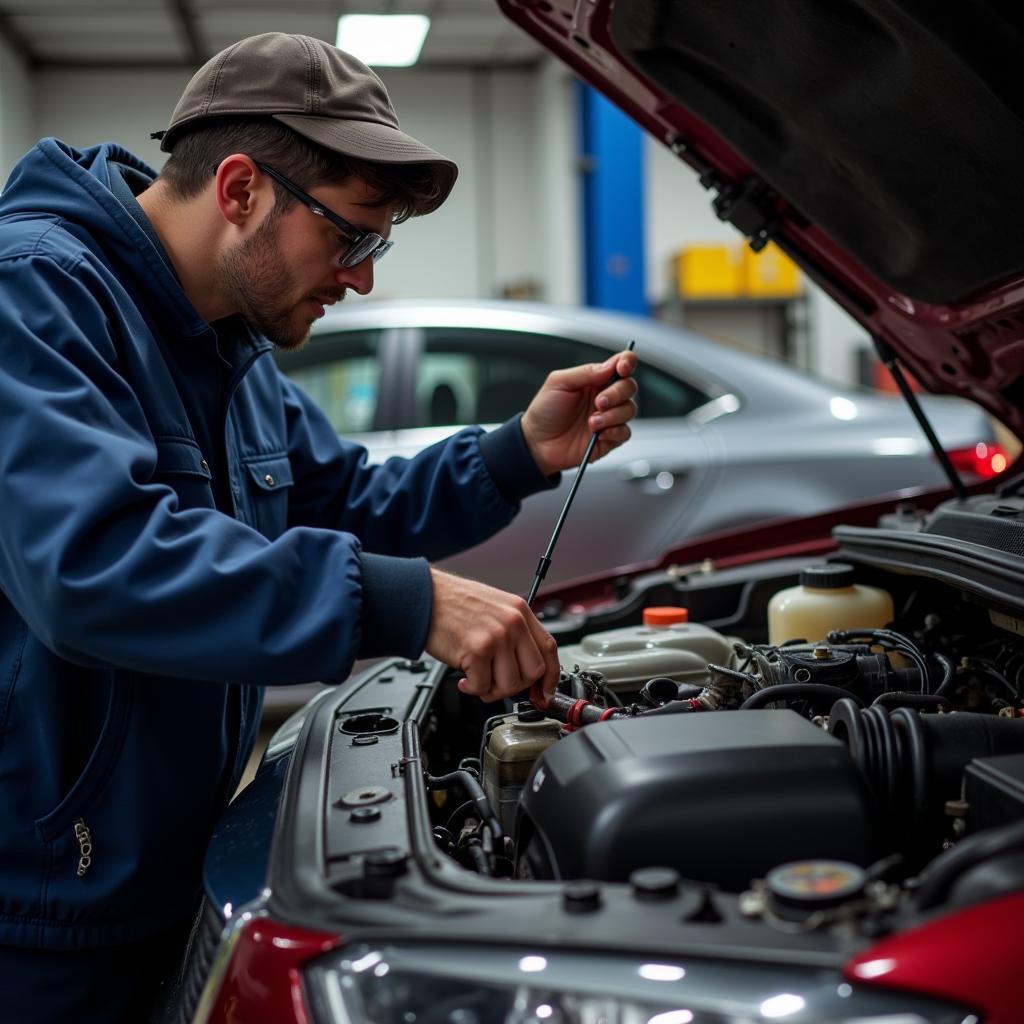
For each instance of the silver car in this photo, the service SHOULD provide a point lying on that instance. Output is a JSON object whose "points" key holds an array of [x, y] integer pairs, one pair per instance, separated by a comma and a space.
{"points": [[723, 438]]}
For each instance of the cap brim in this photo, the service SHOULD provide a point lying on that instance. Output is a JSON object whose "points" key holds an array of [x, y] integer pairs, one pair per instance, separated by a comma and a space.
{"points": [[377, 143]]}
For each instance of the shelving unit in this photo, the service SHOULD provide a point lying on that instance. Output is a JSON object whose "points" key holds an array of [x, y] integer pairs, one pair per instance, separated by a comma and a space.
{"points": [[776, 327]]}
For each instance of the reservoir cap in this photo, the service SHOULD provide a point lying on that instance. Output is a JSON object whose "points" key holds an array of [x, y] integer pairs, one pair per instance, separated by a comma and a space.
{"points": [[828, 577], [666, 615]]}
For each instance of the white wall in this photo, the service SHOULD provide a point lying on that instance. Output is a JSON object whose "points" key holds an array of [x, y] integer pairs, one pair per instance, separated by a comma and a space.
{"points": [[17, 110], [83, 108], [481, 240], [556, 238]]}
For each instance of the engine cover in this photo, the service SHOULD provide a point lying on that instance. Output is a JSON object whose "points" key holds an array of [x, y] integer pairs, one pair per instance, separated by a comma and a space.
{"points": [[721, 797]]}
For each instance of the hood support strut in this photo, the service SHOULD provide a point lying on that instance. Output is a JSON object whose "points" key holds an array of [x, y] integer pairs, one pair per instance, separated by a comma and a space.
{"points": [[888, 357]]}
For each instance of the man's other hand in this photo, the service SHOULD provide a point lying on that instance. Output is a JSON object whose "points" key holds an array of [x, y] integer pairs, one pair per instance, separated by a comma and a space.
{"points": [[490, 635], [574, 403]]}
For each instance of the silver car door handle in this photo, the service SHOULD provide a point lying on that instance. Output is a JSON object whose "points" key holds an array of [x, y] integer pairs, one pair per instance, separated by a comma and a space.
{"points": [[638, 470], [663, 477]]}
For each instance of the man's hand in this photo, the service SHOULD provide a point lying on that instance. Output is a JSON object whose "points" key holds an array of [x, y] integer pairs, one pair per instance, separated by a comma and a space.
{"points": [[572, 404], [493, 637]]}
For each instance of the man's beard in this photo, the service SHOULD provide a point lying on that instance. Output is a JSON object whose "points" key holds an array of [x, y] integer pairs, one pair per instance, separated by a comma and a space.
{"points": [[257, 277]]}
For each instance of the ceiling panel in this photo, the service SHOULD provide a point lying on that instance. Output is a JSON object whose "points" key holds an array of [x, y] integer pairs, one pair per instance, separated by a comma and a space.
{"points": [[218, 29]]}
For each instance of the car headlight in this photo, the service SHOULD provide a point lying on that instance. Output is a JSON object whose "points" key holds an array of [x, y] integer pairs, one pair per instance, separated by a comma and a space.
{"points": [[382, 984]]}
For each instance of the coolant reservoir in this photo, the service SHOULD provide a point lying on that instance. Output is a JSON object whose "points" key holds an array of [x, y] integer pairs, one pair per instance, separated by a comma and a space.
{"points": [[826, 599], [665, 645], [512, 748]]}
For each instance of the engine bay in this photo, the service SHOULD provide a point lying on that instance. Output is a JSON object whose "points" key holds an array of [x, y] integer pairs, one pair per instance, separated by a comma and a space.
{"points": [[858, 774], [714, 783]]}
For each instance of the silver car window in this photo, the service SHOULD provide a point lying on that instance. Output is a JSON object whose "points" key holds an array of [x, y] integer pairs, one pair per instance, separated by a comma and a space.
{"points": [[478, 375]]}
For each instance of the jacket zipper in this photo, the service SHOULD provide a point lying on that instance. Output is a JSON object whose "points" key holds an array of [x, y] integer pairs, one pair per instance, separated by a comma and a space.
{"points": [[84, 837]]}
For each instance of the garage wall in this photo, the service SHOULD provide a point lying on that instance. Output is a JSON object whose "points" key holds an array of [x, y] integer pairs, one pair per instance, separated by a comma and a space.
{"points": [[17, 109], [555, 240], [480, 242], [83, 108]]}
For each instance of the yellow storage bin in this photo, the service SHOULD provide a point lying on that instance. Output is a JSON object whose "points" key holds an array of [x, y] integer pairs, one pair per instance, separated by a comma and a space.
{"points": [[769, 273], [707, 272]]}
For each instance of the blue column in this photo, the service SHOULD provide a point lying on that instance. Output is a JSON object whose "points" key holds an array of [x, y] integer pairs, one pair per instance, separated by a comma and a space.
{"points": [[613, 206]]}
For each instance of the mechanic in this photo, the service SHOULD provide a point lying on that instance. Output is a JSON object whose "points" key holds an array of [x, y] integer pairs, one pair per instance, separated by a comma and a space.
{"points": [[181, 526]]}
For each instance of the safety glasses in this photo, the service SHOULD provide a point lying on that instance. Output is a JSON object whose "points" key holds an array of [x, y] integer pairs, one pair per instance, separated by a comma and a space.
{"points": [[360, 243]]}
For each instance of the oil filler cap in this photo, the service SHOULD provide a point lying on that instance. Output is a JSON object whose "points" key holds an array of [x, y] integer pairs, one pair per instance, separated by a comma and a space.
{"points": [[800, 888]]}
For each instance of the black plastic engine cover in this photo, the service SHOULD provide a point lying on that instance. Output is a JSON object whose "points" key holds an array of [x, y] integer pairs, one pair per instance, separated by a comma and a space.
{"points": [[720, 796]]}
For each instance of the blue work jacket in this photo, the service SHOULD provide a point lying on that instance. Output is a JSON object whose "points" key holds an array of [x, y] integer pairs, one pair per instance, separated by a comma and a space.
{"points": [[179, 526]]}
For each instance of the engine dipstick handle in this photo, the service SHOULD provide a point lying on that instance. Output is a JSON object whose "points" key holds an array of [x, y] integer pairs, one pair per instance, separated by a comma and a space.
{"points": [[545, 560]]}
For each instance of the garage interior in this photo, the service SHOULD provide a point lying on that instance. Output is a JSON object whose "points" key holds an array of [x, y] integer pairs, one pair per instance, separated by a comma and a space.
{"points": [[534, 147]]}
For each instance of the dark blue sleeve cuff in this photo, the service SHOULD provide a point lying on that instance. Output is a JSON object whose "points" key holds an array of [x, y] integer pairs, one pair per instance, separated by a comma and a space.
{"points": [[510, 463], [398, 601]]}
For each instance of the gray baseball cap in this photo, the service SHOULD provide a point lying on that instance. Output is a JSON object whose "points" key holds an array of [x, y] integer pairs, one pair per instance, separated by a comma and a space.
{"points": [[317, 90]]}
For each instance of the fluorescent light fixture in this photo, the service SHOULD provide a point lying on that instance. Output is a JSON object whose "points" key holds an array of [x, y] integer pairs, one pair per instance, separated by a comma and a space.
{"points": [[383, 40]]}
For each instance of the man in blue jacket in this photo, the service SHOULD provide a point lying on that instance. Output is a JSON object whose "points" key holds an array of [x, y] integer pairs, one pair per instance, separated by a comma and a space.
{"points": [[180, 526]]}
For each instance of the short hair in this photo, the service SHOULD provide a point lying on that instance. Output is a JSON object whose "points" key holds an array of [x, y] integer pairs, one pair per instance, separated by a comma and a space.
{"points": [[412, 188]]}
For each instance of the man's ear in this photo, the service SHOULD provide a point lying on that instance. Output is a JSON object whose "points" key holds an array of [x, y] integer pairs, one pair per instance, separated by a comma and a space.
{"points": [[240, 190]]}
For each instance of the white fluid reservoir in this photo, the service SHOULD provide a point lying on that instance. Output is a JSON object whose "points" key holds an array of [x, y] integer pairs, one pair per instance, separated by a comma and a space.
{"points": [[826, 599], [666, 644]]}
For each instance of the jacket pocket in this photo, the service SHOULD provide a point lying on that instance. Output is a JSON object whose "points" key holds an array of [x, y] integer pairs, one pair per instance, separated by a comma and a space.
{"points": [[270, 481], [96, 773], [181, 466]]}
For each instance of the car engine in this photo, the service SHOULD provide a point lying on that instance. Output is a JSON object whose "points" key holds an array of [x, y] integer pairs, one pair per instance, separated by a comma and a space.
{"points": [[891, 754]]}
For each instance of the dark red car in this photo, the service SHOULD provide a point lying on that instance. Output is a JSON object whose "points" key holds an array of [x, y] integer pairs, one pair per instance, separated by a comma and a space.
{"points": [[803, 798]]}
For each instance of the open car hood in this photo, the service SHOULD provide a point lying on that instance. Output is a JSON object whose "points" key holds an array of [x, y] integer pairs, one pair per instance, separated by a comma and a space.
{"points": [[878, 143]]}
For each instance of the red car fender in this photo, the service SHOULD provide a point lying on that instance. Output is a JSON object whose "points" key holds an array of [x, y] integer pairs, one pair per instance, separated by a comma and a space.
{"points": [[262, 982], [972, 957]]}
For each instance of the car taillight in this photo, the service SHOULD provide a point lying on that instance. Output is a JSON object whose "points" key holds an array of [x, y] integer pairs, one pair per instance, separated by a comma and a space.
{"points": [[984, 459]]}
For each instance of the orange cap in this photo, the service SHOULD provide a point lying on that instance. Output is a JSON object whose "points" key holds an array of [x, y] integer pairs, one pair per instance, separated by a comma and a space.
{"points": [[665, 616]]}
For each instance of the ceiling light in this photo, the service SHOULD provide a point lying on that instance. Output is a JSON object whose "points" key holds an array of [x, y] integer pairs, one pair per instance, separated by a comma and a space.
{"points": [[383, 40]]}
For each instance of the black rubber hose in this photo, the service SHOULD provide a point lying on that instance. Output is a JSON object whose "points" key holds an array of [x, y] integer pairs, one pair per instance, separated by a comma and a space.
{"points": [[659, 691], [688, 691], [940, 875], [991, 672], [673, 707], [915, 746], [912, 699], [886, 754], [813, 692], [885, 638], [477, 855], [469, 782]]}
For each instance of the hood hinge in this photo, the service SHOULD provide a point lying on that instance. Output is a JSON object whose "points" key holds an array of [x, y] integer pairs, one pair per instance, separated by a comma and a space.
{"points": [[749, 205]]}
